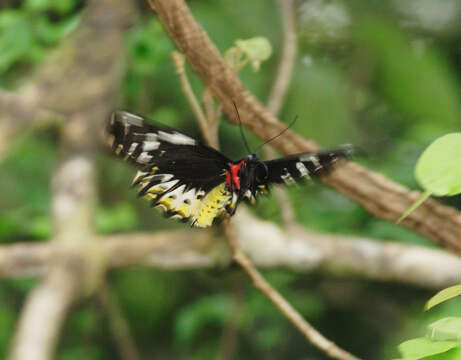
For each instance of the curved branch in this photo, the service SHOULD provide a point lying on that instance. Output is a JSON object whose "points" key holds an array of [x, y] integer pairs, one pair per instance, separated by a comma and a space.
{"points": [[379, 195]]}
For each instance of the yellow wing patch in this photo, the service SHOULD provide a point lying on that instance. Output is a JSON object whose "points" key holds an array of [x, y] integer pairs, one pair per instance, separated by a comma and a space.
{"points": [[213, 204], [195, 205]]}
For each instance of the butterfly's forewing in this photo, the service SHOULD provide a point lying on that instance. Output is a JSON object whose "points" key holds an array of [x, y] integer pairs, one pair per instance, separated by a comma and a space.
{"points": [[176, 173], [290, 169]]}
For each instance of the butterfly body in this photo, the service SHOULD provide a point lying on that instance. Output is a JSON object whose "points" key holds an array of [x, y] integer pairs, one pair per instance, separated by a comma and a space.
{"points": [[193, 182]]}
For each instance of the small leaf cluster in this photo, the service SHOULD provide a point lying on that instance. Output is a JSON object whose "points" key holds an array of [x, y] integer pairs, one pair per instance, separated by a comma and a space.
{"points": [[442, 342]]}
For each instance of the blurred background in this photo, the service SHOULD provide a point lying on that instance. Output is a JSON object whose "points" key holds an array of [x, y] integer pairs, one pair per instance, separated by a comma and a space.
{"points": [[382, 74]]}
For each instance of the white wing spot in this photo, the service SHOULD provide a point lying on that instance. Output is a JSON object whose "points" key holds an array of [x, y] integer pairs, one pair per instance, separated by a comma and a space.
{"points": [[168, 184], [150, 145], [132, 148], [313, 159], [132, 119], [144, 158], [119, 149], [302, 169], [287, 178], [162, 177], [176, 194], [140, 174], [151, 136], [176, 138], [190, 195]]}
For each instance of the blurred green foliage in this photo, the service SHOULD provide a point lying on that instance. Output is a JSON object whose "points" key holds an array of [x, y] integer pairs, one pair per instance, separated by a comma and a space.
{"points": [[29, 30], [371, 73]]}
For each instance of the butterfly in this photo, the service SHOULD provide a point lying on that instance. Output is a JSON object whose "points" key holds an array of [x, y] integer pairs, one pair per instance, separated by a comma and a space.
{"points": [[195, 183]]}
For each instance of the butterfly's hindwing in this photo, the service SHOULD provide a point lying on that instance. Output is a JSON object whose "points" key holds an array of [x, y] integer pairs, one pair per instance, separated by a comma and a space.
{"points": [[180, 176]]}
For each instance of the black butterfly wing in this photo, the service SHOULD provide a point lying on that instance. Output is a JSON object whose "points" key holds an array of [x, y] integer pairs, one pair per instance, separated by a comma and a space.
{"points": [[293, 168], [176, 173]]}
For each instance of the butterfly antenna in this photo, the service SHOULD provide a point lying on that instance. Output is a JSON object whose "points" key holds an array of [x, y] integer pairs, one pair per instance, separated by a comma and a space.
{"points": [[241, 129], [279, 134]]}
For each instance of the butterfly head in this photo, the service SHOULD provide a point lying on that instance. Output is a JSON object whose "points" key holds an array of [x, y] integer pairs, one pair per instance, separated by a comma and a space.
{"points": [[245, 175]]}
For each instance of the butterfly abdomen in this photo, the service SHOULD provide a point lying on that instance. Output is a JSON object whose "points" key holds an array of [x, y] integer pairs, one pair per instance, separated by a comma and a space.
{"points": [[212, 206]]}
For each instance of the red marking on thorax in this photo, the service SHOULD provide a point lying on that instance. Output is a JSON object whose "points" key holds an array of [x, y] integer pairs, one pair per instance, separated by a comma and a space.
{"points": [[232, 175]]}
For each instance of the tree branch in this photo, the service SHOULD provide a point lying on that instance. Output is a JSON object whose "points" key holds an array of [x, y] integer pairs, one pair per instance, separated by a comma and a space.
{"points": [[77, 268], [379, 195], [300, 251], [43, 315], [179, 65]]}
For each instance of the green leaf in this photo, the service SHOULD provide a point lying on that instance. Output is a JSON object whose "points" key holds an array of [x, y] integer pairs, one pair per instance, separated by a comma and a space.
{"points": [[418, 348], [439, 168], [257, 50], [448, 328], [443, 295], [453, 354]]}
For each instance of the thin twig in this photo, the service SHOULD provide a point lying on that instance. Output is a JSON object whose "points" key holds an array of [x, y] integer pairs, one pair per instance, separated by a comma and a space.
{"points": [[205, 122], [277, 95], [309, 332], [287, 59], [179, 65], [212, 114], [207, 100], [118, 325]]}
